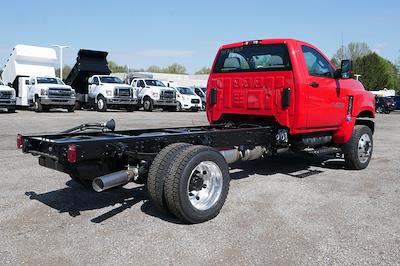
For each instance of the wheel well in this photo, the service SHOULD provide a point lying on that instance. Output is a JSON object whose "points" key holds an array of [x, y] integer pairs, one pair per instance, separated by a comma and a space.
{"points": [[366, 122], [366, 113]]}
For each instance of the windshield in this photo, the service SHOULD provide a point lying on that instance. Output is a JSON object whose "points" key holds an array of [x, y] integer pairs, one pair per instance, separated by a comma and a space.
{"points": [[1, 82], [186, 91], [115, 80], [46, 80], [252, 58], [153, 82]]}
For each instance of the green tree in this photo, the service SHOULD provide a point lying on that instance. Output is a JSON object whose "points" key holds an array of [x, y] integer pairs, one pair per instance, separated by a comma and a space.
{"points": [[115, 68], [353, 51], [376, 72], [66, 70], [171, 69], [204, 70]]}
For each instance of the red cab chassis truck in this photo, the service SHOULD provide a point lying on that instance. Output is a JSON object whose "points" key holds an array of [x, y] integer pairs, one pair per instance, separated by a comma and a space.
{"points": [[262, 96]]}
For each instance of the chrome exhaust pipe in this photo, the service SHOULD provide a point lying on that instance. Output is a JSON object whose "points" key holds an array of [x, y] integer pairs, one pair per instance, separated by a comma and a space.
{"points": [[104, 182], [234, 155]]}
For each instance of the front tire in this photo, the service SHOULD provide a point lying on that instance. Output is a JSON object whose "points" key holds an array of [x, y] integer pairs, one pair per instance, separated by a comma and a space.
{"points": [[197, 184], [71, 109], [37, 106], [11, 110], [148, 104], [101, 104], [358, 151]]}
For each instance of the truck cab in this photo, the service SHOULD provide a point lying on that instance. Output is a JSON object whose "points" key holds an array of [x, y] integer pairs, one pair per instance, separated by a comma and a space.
{"points": [[45, 92], [7, 97], [111, 92], [290, 83], [153, 93]]}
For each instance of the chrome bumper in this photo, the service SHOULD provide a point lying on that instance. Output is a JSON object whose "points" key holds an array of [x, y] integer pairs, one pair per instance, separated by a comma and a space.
{"points": [[57, 101], [7, 103], [122, 101]]}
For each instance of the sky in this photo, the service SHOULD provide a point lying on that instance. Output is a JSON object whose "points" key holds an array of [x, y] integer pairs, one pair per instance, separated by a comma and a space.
{"points": [[143, 33]]}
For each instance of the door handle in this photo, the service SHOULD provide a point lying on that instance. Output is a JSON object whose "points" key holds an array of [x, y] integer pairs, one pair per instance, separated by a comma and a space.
{"points": [[314, 84]]}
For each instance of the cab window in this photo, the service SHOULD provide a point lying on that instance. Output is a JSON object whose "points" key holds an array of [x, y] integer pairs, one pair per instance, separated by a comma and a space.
{"points": [[317, 65]]}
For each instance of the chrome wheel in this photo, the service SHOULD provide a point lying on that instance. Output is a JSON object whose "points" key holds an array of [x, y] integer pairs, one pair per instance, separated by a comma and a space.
{"points": [[205, 185], [364, 148], [100, 104], [146, 104]]}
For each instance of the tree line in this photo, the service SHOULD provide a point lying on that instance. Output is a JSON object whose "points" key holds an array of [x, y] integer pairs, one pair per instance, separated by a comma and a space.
{"points": [[375, 71], [115, 68]]}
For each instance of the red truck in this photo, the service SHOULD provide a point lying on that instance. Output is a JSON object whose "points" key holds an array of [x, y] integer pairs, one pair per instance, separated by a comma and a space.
{"points": [[262, 96]]}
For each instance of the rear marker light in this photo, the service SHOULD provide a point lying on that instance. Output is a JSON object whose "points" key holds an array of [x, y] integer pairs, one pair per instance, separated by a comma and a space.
{"points": [[19, 141], [71, 153]]}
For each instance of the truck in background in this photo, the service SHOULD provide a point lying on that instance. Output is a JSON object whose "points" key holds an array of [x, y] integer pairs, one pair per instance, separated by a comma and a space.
{"points": [[153, 94], [7, 98], [95, 88], [30, 71], [187, 99]]}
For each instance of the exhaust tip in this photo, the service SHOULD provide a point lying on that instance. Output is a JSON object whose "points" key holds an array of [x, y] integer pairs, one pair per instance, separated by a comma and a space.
{"points": [[98, 185]]}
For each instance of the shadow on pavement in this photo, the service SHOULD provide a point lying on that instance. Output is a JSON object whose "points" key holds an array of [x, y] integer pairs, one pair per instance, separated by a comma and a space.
{"points": [[75, 199]]}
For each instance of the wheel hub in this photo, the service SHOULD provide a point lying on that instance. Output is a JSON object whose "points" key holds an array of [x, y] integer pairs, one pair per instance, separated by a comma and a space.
{"points": [[364, 148], [205, 185]]}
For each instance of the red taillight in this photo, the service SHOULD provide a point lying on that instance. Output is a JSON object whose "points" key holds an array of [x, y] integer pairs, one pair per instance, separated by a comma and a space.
{"points": [[71, 153], [19, 141]]}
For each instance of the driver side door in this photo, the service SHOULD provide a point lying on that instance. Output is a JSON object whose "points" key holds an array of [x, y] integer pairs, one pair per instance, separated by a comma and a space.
{"points": [[93, 87]]}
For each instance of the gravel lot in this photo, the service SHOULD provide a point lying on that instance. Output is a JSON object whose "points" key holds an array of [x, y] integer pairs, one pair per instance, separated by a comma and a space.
{"points": [[272, 215]]}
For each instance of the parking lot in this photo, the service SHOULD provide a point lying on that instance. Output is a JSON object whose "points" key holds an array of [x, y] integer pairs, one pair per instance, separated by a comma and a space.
{"points": [[290, 209]]}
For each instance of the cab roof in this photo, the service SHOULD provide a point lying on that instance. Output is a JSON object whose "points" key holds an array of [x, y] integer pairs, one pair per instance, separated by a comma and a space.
{"points": [[262, 41]]}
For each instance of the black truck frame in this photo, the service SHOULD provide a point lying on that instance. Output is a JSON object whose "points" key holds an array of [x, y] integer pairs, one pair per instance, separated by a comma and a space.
{"points": [[95, 155]]}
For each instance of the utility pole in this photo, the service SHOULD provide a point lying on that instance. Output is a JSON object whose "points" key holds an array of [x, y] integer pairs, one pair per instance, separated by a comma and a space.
{"points": [[61, 47]]}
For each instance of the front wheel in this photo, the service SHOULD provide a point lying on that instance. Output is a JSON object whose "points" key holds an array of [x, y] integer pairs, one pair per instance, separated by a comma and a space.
{"points": [[11, 110], [37, 105], [71, 109], [101, 104], [197, 184], [358, 151], [148, 104]]}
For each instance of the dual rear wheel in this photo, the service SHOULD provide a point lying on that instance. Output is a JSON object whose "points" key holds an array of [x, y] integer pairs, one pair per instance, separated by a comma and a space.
{"points": [[190, 181]]}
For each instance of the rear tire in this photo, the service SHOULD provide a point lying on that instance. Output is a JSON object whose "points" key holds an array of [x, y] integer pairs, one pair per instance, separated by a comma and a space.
{"points": [[358, 151], [197, 184], [158, 171]]}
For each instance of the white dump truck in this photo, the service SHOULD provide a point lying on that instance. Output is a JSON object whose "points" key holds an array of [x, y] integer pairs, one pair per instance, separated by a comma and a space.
{"points": [[30, 71], [7, 98], [95, 87]]}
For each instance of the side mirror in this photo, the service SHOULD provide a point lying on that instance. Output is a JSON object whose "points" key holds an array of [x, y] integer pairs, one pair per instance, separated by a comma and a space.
{"points": [[346, 69]]}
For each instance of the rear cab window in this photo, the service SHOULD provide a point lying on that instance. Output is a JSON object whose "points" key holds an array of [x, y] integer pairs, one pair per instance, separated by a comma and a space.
{"points": [[253, 58]]}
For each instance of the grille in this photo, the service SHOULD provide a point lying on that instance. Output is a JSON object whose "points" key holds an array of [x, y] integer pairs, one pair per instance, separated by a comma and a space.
{"points": [[195, 101], [5, 94], [124, 92], [167, 95], [59, 92]]}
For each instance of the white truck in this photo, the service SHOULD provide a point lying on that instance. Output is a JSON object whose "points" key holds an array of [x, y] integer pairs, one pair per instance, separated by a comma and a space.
{"points": [[95, 88], [153, 94], [111, 92], [7, 98], [187, 99], [30, 71]]}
